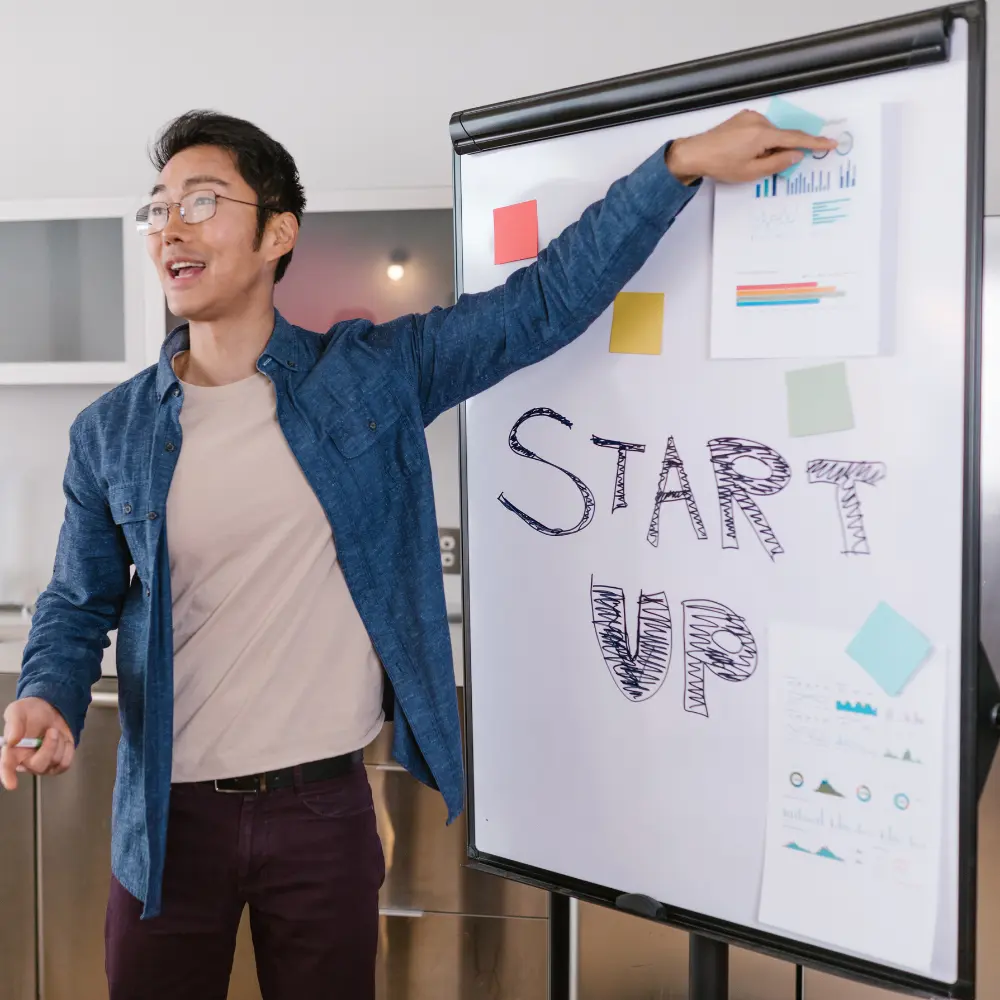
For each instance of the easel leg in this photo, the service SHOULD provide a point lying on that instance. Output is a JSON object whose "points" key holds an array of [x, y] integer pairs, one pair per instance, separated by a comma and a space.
{"points": [[559, 946], [708, 969]]}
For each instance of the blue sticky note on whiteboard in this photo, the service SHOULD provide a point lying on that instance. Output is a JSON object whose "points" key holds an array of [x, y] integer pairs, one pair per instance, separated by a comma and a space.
{"points": [[889, 648], [784, 114]]}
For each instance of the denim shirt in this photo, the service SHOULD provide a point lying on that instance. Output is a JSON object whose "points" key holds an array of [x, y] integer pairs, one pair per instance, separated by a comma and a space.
{"points": [[352, 404]]}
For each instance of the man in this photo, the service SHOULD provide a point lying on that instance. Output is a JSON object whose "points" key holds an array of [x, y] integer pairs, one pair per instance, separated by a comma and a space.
{"points": [[287, 578]]}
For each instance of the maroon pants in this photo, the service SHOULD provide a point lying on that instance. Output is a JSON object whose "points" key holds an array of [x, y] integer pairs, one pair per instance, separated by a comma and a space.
{"points": [[308, 863]]}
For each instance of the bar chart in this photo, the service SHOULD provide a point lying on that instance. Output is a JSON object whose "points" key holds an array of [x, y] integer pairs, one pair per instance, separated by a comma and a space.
{"points": [[802, 183], [793, 293], [808, 182], [768, 187], [848, 175]]}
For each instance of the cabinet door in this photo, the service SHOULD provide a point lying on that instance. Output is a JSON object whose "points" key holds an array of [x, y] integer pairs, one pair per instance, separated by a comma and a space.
{"points": [[75, 859], [450, 957], [76, 299], [17, 881]]}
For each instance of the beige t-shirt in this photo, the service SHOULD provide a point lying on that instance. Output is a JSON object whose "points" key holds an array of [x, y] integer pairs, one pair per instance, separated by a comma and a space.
{"points": [[272, 664]]}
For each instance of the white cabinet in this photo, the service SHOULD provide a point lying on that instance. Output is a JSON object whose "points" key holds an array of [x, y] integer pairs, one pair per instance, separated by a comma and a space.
{"points": [[79, 301]]}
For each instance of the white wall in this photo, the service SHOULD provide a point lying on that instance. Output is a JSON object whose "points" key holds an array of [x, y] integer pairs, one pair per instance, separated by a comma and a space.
{"points": [[360, 92], [34, 443]]}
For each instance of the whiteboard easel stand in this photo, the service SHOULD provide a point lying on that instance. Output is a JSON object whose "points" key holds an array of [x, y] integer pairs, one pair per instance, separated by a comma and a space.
{"points": [[898, 44]]}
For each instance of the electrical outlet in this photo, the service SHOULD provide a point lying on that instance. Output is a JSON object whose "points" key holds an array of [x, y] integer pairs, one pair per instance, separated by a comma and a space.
{"points": [[450, 540]]}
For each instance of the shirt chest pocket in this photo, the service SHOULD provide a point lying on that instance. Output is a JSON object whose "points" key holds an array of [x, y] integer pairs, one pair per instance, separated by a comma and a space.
{"points": [[130, 510], [369, 429]]}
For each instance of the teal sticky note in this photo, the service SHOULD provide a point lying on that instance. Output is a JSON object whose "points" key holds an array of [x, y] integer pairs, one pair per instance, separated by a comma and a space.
{"points": [[784, 114], [819, 401], [889, 648]]}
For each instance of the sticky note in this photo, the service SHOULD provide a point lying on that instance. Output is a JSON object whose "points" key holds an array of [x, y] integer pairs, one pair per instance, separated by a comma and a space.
{"points": [[515, 232], [637, 323], [819, 401], [784, 114], [889, 648]]}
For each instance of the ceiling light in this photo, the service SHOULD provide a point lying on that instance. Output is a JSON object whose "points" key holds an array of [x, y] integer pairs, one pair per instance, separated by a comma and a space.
{"points": [[395, 272]]}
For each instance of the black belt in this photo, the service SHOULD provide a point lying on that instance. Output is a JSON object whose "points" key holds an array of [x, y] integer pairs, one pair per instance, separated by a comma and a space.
{"points": [[288, 777]]}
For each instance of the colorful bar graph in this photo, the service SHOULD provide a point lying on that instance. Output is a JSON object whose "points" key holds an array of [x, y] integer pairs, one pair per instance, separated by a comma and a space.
{"points": [[768, 188], [795, 293]]}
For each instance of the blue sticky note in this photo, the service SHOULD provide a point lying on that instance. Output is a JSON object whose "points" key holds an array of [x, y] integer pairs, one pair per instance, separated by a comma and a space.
{"points": [[889, 648], [784, 114]]}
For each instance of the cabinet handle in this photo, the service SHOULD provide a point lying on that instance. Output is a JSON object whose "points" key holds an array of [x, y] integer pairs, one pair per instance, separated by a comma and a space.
{"points": [[398, 911], [104, 699]]}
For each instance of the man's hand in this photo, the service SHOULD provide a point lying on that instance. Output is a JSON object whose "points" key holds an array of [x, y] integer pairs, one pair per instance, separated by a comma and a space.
{"points": [[743, 148], [33, 717]]}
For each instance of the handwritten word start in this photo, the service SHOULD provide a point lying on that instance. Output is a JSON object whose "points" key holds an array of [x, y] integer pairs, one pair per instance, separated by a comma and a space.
{"points": [[734, 488]]}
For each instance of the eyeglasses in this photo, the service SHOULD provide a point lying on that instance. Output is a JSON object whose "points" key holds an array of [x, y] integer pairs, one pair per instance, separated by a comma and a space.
{"points": [[195, 207]]}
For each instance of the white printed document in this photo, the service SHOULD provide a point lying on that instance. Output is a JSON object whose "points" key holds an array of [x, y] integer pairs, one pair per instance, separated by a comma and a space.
{"points": [[852, 855], [799, 262]]}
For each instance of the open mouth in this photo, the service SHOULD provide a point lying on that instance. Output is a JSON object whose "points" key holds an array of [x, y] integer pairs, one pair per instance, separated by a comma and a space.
{"points": [[185, 271]]}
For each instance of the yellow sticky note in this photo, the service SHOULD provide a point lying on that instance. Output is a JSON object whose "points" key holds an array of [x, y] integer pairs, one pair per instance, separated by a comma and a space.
{"points": [[637, 323]]}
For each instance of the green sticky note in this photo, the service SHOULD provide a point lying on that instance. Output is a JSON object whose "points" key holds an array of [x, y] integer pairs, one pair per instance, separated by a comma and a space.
{"points": [[784, 114], [819, 401], [889, 648], [637, 323]]}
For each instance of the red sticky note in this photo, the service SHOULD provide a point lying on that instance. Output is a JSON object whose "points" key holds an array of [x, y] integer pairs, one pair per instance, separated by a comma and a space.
{"points": [[515, 232]]}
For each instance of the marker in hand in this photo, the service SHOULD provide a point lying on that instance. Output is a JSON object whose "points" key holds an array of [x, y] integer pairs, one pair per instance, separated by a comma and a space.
{"points": [[27, 744]]}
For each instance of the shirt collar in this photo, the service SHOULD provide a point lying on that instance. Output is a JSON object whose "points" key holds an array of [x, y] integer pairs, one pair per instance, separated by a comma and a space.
{"points": [[287, 346]]}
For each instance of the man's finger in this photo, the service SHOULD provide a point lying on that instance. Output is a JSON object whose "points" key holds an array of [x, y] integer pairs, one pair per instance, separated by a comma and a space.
{"points": [[57, 756], [8, 776], [14, 724], [775, 163], [783, 138], [67, 756], [41, 760], [10, 760], [62, 758]]}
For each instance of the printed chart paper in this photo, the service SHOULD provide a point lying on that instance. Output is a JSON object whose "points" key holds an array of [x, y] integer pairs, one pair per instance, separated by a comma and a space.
{"points": [[855, 796], [797, 262]]}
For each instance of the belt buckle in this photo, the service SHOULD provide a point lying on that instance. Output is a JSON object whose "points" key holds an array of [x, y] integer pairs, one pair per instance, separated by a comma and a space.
{"points": [[260, 780]]}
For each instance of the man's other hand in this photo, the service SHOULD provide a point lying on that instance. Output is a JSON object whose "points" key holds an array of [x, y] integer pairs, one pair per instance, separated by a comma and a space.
{"points": [[34, 718]]}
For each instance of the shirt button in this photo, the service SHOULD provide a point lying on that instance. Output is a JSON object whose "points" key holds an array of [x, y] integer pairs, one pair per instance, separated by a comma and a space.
{"points": [[292, 364], [177, 392], [152, 515], [147, 591], [169, 446], [127, 508], [372, 426]]}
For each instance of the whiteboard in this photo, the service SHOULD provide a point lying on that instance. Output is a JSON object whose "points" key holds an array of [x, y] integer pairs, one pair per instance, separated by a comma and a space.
{"points": [[568, 776]]}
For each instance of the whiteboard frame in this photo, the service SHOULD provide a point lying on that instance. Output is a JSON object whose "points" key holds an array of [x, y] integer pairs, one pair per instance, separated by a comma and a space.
{"points": [[834, 57]]}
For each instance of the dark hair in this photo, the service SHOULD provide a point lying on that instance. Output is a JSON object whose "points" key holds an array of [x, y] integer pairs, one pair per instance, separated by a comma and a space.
{"points": [[262, 162]]}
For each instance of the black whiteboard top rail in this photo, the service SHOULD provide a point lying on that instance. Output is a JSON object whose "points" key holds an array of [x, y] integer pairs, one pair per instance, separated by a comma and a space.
{"points": [[879, 47]]}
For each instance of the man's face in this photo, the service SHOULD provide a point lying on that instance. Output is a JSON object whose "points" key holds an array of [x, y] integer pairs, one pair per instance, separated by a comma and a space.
{"points": [[226, 270]]}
